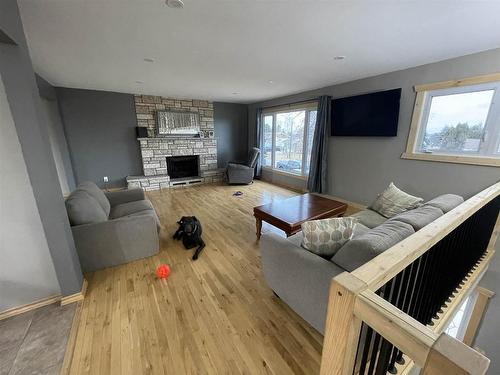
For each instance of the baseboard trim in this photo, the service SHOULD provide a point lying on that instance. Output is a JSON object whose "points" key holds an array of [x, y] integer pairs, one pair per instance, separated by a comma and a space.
{"points": [[44, 302], [66, 300], [70, 346], [30, 306]]}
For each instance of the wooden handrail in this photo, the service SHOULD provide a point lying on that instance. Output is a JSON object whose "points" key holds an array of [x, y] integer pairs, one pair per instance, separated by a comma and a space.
{"points": [[416, 340], [353, 300], [385, 266]]}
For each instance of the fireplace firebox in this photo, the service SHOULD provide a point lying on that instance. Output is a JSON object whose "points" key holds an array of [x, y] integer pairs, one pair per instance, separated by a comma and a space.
{"points": [[183, 166]]}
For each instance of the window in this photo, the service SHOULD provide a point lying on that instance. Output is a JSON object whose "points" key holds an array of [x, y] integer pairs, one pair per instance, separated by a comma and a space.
{"points": [[457, 124], [287, 138]]}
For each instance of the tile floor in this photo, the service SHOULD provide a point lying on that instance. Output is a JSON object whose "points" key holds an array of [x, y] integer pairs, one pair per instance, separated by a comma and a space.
{"points": [[35, 342]]}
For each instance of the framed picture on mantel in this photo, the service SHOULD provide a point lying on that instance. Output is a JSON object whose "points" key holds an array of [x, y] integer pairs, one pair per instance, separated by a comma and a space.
{"points": [[177, 124]]}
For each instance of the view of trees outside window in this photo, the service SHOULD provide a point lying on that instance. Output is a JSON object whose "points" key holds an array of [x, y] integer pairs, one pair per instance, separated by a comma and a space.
{"points": [[291, 140], [268, 140], [456, 122]]}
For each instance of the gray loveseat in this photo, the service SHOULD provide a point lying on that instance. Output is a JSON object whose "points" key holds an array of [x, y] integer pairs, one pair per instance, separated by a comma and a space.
{"points": [[302, 279], [111, 228]]}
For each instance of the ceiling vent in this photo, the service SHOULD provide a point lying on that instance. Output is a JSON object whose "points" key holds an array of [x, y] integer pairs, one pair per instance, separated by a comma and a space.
{"points": [[175, 3]]}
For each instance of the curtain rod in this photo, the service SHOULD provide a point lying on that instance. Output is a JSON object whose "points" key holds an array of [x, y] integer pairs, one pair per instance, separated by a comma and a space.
{"points": [[292, 103]]}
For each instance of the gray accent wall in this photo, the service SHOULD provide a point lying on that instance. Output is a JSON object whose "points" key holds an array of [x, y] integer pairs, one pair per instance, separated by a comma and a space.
{"points": [[231, 131], [59, 146], [100, 131], [360, 167], [27, 271], [32, 131]]}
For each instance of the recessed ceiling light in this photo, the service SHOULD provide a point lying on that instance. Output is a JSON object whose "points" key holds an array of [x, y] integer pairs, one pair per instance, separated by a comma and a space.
{"points": [[149, 59], [139, 81], [271, 82], [175, 3], [339, 58]]}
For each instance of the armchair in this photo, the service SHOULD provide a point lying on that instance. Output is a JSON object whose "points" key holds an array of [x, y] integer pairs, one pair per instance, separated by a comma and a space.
{"points": [[243, 173], [111, 228]]}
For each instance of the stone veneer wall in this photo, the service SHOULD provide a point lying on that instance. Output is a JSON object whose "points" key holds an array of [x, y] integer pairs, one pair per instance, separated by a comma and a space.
{"points": [[154, 150]]}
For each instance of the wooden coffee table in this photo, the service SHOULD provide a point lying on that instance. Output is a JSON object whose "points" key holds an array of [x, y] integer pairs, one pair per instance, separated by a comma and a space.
{"points": [[289, 214]]}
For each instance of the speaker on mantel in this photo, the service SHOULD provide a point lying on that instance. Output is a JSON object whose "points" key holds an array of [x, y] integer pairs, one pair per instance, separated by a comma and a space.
{"points": [[141, 132]]}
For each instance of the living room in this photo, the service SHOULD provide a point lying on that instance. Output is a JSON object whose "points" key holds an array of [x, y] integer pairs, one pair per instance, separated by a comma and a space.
{"points": [[124, 123]]}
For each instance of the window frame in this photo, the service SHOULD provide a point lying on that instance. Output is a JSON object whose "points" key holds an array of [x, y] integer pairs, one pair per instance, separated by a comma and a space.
{"points": [[426, 92], [274, 111]]}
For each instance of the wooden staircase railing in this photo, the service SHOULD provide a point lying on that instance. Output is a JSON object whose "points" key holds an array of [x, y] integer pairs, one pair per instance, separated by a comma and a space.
{"points": [[389, 315]]}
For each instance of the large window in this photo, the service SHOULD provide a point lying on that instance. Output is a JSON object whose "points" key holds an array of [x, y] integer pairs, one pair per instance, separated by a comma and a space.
{"points": [[287, 139], [457, 124]]}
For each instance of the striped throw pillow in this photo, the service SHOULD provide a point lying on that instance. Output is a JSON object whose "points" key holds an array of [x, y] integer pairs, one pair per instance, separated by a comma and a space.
{"points": [[394, 201]]}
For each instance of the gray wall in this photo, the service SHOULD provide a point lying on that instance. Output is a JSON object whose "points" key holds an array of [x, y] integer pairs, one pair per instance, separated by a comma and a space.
{"points": [[360, 167], [32, 132], [22, 240], [231, 130], [59, 146], [100, 131]]}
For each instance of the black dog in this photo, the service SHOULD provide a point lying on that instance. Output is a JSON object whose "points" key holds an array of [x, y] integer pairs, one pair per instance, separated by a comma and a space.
{"points": [[190, 231]]}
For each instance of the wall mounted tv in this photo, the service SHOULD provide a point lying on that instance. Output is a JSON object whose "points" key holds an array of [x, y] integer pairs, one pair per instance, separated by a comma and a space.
{"points": [[369, 115]]}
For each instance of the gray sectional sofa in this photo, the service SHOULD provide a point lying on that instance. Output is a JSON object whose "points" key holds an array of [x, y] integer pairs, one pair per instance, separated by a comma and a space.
{"points": [[111, 228], [302, 279]]}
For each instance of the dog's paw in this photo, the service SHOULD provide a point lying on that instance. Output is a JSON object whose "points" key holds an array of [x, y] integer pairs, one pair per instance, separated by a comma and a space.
{"points": [[195, 256]]}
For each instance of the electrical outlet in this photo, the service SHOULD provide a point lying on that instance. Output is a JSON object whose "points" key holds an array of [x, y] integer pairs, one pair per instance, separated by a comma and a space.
{"points": [[105, 179]]}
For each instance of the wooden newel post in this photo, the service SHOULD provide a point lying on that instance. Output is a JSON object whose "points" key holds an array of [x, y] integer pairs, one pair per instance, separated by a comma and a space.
{"points": [[450, 356], [342, 327]]}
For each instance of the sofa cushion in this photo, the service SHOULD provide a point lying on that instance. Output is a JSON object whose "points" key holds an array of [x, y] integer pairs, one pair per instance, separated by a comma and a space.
{"points": [[419, 217], [296, 239], [150, 213], [369, 218], [367, 246], [446, 202], [130, 208], [82, 208], [359, 229], [324, 237], [96, 193], [393, 201]]}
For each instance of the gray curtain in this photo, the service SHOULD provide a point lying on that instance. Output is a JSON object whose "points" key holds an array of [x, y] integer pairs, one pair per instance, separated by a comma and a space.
{"points": [[319, 155], [258, 140]]}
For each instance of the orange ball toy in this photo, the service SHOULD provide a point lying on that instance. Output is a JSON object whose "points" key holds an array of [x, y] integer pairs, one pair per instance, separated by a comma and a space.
{"points": [[163, 271]]}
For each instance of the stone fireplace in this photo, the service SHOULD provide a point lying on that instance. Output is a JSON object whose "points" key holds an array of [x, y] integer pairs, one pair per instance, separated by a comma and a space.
{"points": [[155, 150]]}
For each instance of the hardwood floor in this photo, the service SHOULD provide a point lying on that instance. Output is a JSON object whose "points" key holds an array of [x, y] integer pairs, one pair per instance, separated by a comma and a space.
{"points": [[212, 316]]}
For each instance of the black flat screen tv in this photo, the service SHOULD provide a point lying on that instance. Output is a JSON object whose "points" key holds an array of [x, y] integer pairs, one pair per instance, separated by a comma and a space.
{"points": [[369, 115]]}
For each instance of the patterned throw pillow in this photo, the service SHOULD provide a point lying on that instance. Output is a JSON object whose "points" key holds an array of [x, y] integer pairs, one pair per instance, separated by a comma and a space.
{"points": [[325, 237], [394, 201]]}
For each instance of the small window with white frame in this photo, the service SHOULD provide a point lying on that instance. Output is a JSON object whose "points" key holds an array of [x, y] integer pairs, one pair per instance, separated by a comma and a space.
{"points": [[457, 121]]}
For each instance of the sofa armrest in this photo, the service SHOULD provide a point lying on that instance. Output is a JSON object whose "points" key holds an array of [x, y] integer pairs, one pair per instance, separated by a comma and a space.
{"points": [[300, 278], [125, 196], [115, 242]]}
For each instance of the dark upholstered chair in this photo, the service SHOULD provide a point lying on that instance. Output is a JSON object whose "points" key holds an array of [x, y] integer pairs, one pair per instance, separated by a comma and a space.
{"points": [[242, 173]]}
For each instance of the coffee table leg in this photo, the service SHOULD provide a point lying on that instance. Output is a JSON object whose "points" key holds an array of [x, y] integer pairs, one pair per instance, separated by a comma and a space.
{"points": [[258, 225]]}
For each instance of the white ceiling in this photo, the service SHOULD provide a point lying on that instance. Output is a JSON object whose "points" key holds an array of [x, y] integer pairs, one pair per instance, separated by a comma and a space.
{"points": [[211, 49]]}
